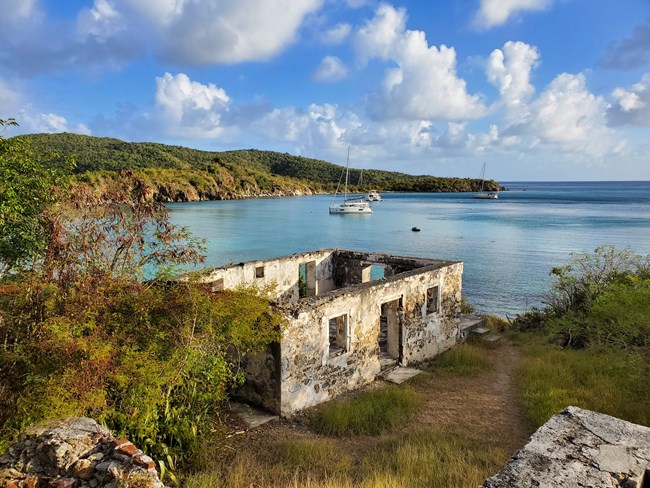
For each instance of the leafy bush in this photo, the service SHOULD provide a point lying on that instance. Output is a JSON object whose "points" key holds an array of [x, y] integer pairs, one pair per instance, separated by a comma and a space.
{"points": [[27, 188], [581, 281], [153, 362], [370, 412]]}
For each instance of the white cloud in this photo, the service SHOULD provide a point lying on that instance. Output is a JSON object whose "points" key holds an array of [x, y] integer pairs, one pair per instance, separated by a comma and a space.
{"points": [[424, 85], [568, 115], [336, 35], [185, 32], [229, 31], [632, 106], [492, 13], [101, 20], [330, 69], [379, 36], [190, 108], [29, 118], [510, 69], [160, 12]]}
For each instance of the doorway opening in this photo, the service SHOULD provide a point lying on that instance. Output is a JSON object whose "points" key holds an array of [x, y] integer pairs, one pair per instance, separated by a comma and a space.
{"points": [[390, 332]]}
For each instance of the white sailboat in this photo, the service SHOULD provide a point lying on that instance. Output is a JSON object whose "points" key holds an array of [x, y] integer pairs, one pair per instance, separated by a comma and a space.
{"points": [[485, 195], [354, 205]]}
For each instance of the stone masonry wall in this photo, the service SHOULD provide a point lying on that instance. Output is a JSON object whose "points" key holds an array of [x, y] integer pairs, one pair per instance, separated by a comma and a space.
{"points": [[309, 375], [429, 334], [75, 453], [282, 273]]}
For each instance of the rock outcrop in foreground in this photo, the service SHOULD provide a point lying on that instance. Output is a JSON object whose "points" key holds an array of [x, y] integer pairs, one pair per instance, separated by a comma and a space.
{"points": [[580, 448], [76, 453]]}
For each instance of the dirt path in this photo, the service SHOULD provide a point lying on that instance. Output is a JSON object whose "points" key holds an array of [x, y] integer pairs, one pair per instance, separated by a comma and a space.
{"points": [[487, 403]]}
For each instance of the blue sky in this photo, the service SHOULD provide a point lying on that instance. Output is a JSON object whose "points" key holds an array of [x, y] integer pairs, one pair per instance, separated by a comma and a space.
{"points": [[537, 89]]}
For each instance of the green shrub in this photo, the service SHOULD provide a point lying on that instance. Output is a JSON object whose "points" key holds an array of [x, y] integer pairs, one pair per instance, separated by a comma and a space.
{"points": [[370, 412], [153, 362]]}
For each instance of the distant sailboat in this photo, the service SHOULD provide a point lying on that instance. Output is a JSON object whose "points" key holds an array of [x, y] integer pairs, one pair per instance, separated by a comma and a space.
{"points": [[355, 205], [485, 195]]}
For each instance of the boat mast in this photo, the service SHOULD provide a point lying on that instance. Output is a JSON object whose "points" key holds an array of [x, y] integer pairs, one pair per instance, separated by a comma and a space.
{"points": [[347, 174], [482, 177]]}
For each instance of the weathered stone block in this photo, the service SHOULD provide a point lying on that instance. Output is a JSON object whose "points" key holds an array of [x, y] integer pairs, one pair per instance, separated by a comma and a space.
{"points": [[580, 448]]}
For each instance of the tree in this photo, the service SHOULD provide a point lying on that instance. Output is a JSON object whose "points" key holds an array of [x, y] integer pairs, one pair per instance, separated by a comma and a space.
{"points": [[27, 189], [115, 231]]}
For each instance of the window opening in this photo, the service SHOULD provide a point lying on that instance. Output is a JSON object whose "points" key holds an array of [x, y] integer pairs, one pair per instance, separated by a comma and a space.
{"points": [[217, 286], [338, 335], [259, 272], [377, 272], [433, 299], [390, 330]]}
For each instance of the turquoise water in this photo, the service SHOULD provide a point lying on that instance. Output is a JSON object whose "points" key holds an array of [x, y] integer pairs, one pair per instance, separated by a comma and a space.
{"points": [[508, 245]]}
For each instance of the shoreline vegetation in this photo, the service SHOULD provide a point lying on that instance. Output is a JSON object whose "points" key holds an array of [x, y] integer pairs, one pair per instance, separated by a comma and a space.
{"points": [[180, 174], [83, 334]]}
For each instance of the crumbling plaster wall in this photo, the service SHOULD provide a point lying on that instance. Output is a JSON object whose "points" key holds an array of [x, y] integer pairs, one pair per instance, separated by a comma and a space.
{"points": [[309, 375], [428, 334], [281, 273]]}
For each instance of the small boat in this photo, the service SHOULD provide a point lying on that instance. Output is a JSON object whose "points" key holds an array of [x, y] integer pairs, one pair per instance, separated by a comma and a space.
{"points": [[373, 196], [354, 205], [485, 195], [415, 229]]}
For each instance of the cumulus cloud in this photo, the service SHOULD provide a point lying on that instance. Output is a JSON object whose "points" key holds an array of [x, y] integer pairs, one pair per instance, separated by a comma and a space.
{"points": [[630, 53], [509, 69], [424, 85], [13, 104], [330, 69], [230, 31], [632, 106], [568, 115], [493, 13], [191, 109], [379, 37], [185, 32], [336, 35]]}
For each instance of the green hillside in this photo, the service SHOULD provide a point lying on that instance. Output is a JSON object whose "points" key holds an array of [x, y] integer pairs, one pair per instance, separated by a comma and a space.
{"points": [[179, 173]]}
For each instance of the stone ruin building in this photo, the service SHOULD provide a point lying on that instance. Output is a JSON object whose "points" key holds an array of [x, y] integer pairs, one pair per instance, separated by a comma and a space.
{"points": [[349, 316]]}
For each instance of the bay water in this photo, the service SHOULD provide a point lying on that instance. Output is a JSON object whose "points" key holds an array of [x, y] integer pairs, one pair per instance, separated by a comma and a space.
{"points": [[508, 246]]}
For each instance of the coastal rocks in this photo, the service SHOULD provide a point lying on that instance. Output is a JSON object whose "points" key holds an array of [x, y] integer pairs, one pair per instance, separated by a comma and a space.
{"points": [[76, 453], [580, 448]]}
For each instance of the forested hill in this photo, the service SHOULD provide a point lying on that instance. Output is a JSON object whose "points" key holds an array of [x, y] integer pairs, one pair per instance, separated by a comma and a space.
{"points": [[182, 174]]}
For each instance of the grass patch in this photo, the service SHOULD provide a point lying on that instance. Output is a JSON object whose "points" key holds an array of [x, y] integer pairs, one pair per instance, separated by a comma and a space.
{"points": [[370, 412], [614, 382], [439, 458], [463, 360], [423, 459], [314, 457]]}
